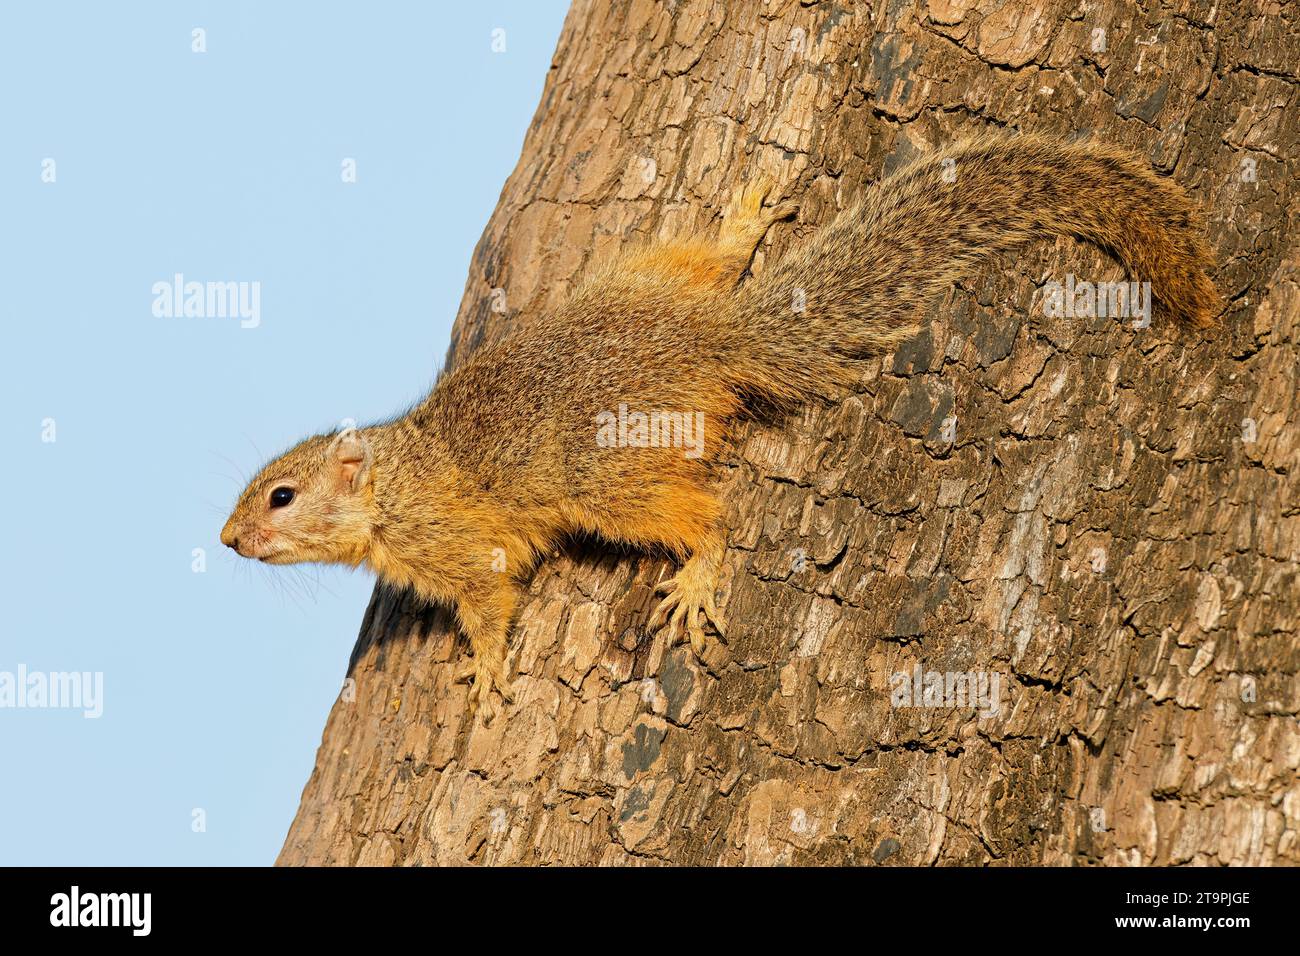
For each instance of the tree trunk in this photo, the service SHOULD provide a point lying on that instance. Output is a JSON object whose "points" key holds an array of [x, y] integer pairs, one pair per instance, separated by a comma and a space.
{"points": [[1102, 519]]}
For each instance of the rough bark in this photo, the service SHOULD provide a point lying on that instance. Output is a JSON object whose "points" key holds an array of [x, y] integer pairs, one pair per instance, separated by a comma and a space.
{"points": [[1115, 530]]}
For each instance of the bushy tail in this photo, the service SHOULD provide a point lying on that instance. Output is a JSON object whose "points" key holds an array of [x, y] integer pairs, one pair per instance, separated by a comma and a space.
{"points": [[860, 284]]}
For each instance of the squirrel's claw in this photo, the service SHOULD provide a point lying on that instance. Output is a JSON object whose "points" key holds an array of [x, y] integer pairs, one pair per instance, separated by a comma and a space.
{"points": [[714, 616]]}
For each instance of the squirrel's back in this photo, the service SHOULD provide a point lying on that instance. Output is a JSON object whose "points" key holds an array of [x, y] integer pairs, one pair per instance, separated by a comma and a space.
{"points": [[650, 338]]}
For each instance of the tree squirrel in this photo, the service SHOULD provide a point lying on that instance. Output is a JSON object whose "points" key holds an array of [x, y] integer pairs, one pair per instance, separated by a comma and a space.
{"points": [[518, 447]]}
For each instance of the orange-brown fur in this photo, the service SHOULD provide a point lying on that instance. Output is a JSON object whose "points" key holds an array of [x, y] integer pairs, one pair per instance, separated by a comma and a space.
{"points": [[458, 497]]}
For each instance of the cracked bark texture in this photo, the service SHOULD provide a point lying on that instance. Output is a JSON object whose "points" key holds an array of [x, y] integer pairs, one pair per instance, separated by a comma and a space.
{"points": [[1114, 531]]}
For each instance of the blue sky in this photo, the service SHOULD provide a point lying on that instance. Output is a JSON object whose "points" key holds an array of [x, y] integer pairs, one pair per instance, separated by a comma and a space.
{"points": [[223, 166]]}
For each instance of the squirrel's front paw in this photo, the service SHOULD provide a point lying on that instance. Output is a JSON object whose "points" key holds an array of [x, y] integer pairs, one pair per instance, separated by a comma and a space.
{"points": [[485, 677], [689, 602]]}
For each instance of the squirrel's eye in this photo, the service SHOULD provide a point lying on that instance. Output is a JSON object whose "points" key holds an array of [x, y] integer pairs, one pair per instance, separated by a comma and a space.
{"points": [[281, 497]]}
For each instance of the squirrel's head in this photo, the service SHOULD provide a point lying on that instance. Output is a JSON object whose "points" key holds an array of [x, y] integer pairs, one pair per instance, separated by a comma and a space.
{"points": [[313, 503]]}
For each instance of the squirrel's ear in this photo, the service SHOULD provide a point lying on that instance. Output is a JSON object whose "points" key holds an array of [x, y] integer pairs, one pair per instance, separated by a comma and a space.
{"points": [[350, 452]]}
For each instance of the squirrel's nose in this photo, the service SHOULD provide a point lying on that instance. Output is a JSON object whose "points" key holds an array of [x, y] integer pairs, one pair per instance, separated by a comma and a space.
{"points": [[229, 538]]}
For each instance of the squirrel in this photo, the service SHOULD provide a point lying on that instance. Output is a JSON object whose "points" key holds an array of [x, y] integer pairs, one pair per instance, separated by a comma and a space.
{"points": [[517, 447]]}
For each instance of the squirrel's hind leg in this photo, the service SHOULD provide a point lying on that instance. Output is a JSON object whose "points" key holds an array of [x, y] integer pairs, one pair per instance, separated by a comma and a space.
{"points": [[746, 221], [715, 264], [690, 596], [485, 615], [670, 504]]}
